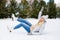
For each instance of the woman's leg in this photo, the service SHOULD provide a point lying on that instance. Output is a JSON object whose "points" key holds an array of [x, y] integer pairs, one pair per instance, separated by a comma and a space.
{"points": [[24, 21], [25, 26]]}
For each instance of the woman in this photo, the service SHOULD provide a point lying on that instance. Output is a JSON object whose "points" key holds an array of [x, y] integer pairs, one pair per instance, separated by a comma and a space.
{"points": [[28, 26]]}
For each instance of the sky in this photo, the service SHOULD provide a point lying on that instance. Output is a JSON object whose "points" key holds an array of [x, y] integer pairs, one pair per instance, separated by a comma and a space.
{"points": [[56, 1], [46, 0]]}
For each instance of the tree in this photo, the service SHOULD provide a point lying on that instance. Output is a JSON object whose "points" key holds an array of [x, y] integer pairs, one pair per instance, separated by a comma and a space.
{"points": [[3, 9], [43, 4], [12, 7], [52, 10], [23, 9], [36, 7]]}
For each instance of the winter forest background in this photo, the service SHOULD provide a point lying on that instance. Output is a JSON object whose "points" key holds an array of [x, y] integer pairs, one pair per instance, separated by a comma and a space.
{"points": [[28, 9]]}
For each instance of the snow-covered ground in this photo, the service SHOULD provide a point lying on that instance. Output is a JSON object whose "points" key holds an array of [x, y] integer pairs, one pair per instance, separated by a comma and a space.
{"points": [[51, 31]]}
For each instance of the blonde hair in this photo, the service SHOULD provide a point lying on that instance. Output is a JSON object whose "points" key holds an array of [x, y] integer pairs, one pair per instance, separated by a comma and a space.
{"points": [[41, 20]]}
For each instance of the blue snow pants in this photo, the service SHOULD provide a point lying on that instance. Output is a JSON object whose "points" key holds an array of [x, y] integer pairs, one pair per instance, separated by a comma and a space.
{"points": [[23, 23]]}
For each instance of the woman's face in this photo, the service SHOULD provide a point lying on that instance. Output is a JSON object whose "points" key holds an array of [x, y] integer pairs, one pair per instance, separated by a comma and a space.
{"points": [[42, 20]]}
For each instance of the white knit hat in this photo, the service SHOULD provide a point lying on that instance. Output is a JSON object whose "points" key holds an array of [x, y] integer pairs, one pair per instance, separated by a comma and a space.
{"points": [[45, 16]]}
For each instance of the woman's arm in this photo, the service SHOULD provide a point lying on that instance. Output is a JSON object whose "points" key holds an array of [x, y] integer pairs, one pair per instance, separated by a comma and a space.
{"points": [[37, 24], [32, 27]]}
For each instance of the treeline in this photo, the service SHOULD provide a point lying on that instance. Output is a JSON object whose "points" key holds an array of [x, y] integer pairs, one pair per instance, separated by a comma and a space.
{"points": [[26, 9]]}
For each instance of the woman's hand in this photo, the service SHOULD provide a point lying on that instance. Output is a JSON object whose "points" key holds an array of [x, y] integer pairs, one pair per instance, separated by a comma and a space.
{"points": [[32, 27]]}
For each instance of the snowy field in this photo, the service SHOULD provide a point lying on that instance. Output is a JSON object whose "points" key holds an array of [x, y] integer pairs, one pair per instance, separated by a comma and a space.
{"points": [[51, 31]]}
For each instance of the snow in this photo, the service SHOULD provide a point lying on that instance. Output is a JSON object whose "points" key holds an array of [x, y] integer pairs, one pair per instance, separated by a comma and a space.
{"points": [[51, 31]]}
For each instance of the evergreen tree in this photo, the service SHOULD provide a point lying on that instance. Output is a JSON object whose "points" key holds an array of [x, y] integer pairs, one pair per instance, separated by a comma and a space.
{"points": [[12, 7], [3, 9], [34, 12], [43, 4], [52, 10], [23, 9], [36, 6]]}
